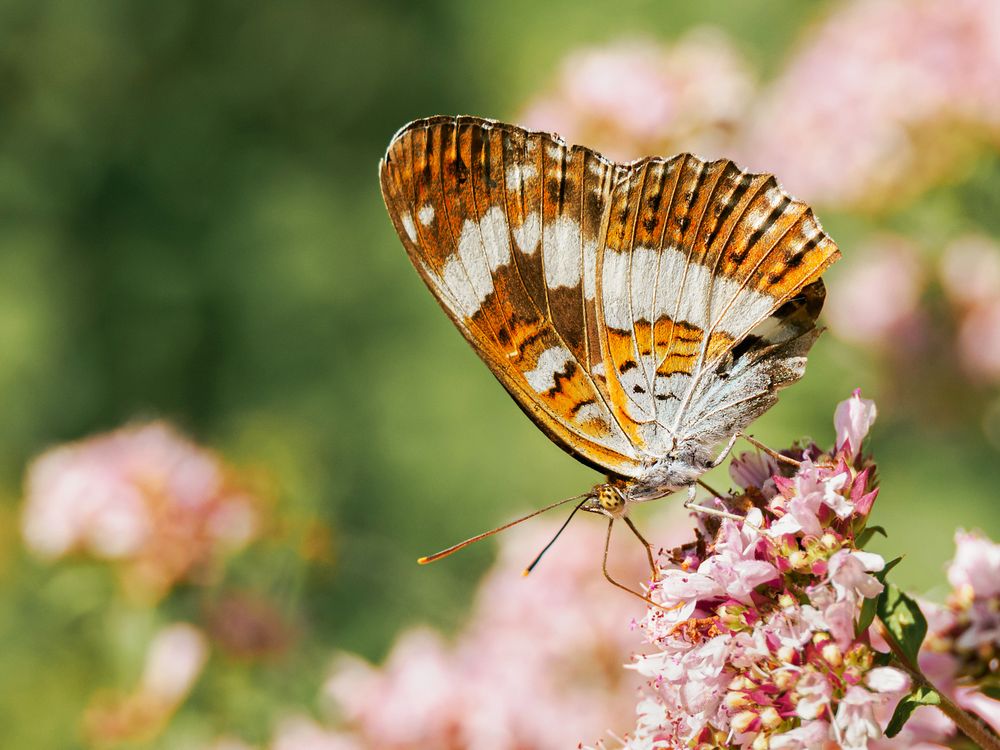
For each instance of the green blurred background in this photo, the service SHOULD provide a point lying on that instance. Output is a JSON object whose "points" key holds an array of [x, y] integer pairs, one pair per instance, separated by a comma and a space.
{"points": [[192, 229]]}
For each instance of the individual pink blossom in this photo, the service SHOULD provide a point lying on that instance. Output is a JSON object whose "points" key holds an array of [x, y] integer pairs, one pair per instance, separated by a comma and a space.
{"points": [[877, 295], [143, 497], [637, 98], [815, 694], [856, 715], [734, 566], [850, 574], [852, 420], [754, 470]]}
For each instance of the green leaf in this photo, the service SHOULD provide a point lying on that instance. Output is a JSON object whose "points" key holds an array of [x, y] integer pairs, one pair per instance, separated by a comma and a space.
{"points": [[991, 691], [882, 659], [888, 566], [921, 696], [866, 536], [867, 615], [870, 606], [903, 620]]}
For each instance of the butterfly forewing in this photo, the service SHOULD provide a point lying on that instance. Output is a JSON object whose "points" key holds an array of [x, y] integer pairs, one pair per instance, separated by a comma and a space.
{"points": [[500, 225], [625, 307]]}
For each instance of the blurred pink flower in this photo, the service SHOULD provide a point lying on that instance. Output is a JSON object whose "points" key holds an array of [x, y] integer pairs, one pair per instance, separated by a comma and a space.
{"points": [[873, 105], [142, 496], [539, 664], [970, 276], [175, 659], [637, 98], [303, 733], [975, 569], [979, 341], [875, 298], [970, 270], [961, 654], [852, 420]]}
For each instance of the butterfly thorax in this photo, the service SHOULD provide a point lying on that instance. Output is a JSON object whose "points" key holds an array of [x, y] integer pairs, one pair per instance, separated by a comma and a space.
{"points": [[681, 468]]}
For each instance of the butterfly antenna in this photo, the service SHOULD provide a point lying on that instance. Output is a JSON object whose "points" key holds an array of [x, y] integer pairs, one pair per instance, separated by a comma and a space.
{"points": [[552, 541], [491, 532]]}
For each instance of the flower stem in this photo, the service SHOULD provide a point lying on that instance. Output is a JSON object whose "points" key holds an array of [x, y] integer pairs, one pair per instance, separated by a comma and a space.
{"points": [[971, 725]]}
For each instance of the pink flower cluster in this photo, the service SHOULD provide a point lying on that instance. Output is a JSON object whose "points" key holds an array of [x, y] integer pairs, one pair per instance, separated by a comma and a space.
{"points": [[878, 295], [970, 276], [636, 98], [142, 496], [961, 654], [973, 636], [881, 99], [755, 642], [962, 650], [537, 666], [879, 299]]}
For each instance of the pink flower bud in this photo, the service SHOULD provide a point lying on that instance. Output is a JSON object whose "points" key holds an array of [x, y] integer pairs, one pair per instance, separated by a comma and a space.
{"points": [[745, 721], [770, 718], [736, 700], [852, 420], [832, 654]]}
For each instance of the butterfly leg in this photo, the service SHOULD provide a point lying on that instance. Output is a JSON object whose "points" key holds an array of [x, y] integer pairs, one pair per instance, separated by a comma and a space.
{"points": [[769, 451], [647, 545], [691, 505], [722, 456], [715, 492], [612, 581]]}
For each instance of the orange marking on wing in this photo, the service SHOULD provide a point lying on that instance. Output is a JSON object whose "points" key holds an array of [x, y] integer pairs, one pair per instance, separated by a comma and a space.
{"points": [[684, 342]]}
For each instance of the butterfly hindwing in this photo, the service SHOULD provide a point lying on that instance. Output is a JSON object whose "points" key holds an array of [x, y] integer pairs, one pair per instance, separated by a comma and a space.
{"points": [[696, 256]]}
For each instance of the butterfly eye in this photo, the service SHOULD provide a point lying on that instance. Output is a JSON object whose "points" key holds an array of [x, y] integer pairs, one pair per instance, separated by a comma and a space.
{"points": [[609, 499]]}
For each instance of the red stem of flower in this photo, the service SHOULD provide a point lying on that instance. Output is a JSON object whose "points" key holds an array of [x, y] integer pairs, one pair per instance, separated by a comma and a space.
{"points": [[971, 725]]}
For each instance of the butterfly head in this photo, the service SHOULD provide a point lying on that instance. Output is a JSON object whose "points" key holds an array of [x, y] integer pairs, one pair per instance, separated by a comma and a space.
{"points": [[608, 500]]}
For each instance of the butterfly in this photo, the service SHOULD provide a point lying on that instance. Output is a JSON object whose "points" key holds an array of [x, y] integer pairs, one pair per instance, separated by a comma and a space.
{"points": [[640, 314]]}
